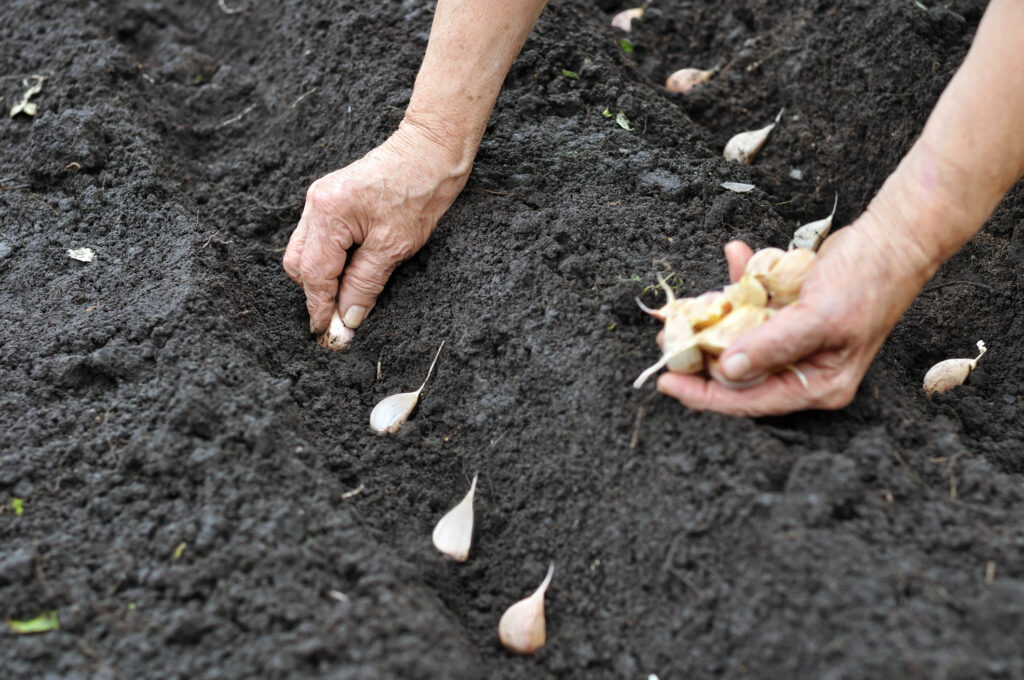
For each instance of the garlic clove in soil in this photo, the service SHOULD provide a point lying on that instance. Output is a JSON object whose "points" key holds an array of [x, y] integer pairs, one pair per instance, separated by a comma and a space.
{"points": [[744, 146], [624, 19], [786, 277], [947, 374], [685, 79], [454, 533], [811, 234], [338, 336], [390, 414], [522, 628]]}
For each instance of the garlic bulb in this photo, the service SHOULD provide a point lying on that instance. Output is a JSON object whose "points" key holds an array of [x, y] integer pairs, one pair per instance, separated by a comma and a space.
{"points": [[624, 19], [786, 277], [947, 374], [522, 628], [811, 234], [392, 412], [338, 336], [685, 79], [454, 533], [745, 145]]}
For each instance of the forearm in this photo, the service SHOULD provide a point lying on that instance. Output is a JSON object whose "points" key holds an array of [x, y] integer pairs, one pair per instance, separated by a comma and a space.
{"points": [[472, 46], [970, 152]]}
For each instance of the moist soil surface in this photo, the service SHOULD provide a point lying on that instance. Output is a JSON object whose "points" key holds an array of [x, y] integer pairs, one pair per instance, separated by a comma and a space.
{"points": [[201, 495]]}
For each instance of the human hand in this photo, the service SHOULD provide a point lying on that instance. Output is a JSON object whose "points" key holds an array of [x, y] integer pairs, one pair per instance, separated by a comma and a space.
{"points": [[860, 285], [387, 203]]}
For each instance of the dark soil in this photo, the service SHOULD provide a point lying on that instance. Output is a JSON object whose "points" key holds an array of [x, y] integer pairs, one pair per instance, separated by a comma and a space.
{"points": [[183, 448]]}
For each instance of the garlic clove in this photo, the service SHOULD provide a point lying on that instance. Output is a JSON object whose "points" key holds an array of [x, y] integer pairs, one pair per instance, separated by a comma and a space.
{"points": [[761, 262], [716, 374], [746, 291], [744, 146], [683, 354], [745, 318], [787, 276], [338, 336], [947, 374], [811, 234], [624, 19], [522, 628], [454, 532], [685, 79], [390, 414], [707, 309]]}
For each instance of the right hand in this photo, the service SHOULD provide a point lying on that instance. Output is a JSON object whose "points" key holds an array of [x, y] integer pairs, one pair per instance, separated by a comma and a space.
{"points": [[387, 203]]}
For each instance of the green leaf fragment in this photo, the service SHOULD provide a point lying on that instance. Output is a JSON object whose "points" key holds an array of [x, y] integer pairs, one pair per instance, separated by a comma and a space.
{"points": [[18, 505], [606, 113], [920, 5], [43, 623], [570, 74], [623, 121], [626, 44]]}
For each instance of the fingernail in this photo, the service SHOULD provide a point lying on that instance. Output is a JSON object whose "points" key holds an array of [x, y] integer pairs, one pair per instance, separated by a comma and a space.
{"points": [[354, 316], [736, 367]]}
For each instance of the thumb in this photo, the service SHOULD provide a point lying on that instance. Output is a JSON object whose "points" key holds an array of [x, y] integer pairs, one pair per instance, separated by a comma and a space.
{"points": [[363, 280], [791, 335]]}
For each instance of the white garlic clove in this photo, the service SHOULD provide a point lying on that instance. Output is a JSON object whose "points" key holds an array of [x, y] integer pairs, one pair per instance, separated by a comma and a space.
{"points": [[624, 19], [786, 277], [761, 262], [811, 234], [522, 628], [390, 414], [741, 320], [746, 291], [338, 336], [454, 533], [685, 79], [947, 374], [744, 146], [683, 354], [707, 309]]}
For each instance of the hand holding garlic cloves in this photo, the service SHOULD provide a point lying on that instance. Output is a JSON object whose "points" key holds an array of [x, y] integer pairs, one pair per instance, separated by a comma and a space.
{"points": [[854, 293]]}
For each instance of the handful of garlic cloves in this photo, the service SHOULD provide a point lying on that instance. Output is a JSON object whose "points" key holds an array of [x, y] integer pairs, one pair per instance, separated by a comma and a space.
{"points": [[699, 329]]}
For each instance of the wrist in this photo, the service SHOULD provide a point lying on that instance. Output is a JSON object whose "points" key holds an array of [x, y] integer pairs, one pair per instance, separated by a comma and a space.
{"points": [[449, 145]]}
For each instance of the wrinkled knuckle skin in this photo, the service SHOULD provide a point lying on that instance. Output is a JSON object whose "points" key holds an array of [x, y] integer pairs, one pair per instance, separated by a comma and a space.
{"points": [[291, 265]]}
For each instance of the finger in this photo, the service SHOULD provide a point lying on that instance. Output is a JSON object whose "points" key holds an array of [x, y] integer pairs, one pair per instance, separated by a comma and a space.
{"points": [[791, 335], [293, 253], [323, 259], [367, 272], [736, 254], [783, 393]]}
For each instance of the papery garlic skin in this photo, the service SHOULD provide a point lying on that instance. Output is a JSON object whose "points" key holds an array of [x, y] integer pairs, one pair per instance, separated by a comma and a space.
{"points": [[624, 19], [744, 146], [685, 79], [454, 532], [522, 628], [338, 336], [811, 234], [786, 277], [945, 375]]}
